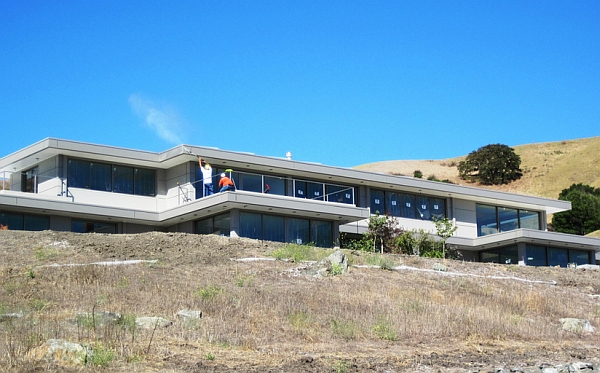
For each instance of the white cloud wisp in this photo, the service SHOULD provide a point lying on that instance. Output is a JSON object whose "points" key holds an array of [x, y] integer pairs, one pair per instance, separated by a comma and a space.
{"points": [[165, 123]]}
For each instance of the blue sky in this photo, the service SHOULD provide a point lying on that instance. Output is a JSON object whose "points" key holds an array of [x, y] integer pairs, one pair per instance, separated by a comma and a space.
{"points": [[336, 82]]}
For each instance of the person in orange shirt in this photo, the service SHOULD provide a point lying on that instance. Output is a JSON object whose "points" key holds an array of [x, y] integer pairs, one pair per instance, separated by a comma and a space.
{"points": [[226, 184]]}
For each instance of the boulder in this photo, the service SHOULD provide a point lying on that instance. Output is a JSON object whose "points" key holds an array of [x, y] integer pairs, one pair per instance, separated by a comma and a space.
{"points": [[152, 322], [337, 260], [62, 352], [577, 325], [189, 315]]}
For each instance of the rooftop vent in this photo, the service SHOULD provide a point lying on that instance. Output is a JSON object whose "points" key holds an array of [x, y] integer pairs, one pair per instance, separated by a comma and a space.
{"points": [[288, 155]]}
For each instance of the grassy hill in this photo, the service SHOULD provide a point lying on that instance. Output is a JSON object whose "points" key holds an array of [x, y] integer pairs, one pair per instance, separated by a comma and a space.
{"points": [[547, 167], [420, 315]]}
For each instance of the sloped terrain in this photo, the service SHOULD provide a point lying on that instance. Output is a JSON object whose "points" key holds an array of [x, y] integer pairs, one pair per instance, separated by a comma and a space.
{"points": [[427, 315], [547, 168]]}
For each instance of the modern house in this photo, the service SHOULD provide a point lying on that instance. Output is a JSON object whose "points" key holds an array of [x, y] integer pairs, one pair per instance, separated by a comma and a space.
{"points": [[74, 186]]}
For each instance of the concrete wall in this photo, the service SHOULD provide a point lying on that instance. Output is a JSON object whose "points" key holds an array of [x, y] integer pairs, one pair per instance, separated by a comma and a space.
{"points": [[466, 218], [178, 182]]}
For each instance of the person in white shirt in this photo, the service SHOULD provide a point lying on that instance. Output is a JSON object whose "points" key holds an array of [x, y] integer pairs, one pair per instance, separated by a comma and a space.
{"points": [[206, 176]]}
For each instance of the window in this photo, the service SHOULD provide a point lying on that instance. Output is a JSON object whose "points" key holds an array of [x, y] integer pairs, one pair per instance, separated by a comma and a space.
{"points": [[144, 182], [100, 177], [15, 221], [92, 227], [423, 210], [251, 225], [315, 191], [111, 178], [438, 208], [123, 179], [29, 181], [321, 233], [492, 219], [508, 219], [392, 201], [78, 174], [340, 194], [377, 202], [298, 231], [300, 189], [251, 183], [218, 225], [579, 257], [535, 255], [486, 220], [274, 185], [407, 206], [529, 219], [273, 228], [502, 255], [558, 257]]}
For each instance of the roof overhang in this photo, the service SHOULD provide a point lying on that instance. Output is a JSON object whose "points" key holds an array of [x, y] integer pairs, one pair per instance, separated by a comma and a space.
{"points": [[194, 210], [248, 162], [528, 236]]}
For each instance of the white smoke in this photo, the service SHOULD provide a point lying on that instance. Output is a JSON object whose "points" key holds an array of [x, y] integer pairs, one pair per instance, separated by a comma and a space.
{"points": [[163, 121]]}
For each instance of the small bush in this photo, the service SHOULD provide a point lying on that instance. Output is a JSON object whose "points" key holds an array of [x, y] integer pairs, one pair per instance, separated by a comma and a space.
{"points": [[343, 329], [208, 292], [383, 330], [418, 174], [381, 261], [102, 356]]}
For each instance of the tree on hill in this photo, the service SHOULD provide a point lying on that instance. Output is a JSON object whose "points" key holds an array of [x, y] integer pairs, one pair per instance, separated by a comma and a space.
{"points": [[491, 165], [584, 216]]}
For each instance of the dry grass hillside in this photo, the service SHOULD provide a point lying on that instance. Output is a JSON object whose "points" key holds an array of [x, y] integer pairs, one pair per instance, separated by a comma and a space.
{"points": [[547, 167], [425, 315]]}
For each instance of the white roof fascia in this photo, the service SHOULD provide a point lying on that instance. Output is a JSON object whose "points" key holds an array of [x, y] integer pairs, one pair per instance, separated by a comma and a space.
{"points": [[246, 162], [531, 236]]}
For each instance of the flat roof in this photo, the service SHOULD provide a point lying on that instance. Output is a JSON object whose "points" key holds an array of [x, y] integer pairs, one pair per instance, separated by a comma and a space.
{"points": [[247, 162]]}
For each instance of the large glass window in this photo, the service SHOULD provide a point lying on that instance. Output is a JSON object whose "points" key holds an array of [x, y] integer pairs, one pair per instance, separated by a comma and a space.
{"points": [[12, 221], [273, 228], [423, 208], [205, 226], [106, 177], [438, 209], [78, 174], [315, 191], [558, 257], [251, 183], [486, 220], [298, 231], [508, 219], [100, 177], [145, 182], [392, 201], [490, 256], [535, 255], [377, 202], [492, 219], [80, 226], [123, 179], [222, 225], [19, 222], [509, 255], [300, 189], [275, 185], [338, 193], [29, 181], [407, 206], [250, 225], [529, 219], [321, 233], [579, 257]]}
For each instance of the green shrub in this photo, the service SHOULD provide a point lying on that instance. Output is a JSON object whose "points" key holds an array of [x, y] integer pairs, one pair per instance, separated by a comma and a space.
{"points": [[208, 292], [343, 329], [102, 356], [381, 261], [418, 174], [383, 329]]}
